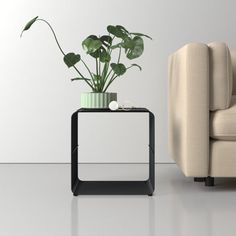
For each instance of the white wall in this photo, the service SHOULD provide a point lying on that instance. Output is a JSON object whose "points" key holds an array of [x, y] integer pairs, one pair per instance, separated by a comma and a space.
{"points": [[37, 97]]}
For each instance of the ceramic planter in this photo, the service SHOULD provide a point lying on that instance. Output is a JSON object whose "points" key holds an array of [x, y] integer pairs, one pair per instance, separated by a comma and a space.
{"points": [[97, 100]]}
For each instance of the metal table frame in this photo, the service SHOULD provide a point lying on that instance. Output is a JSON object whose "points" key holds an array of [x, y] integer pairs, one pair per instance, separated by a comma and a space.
{"points": [[80, 187]]}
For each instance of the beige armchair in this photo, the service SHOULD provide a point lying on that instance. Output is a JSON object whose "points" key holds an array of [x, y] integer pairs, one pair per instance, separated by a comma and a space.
{"points": [[202, 111]]}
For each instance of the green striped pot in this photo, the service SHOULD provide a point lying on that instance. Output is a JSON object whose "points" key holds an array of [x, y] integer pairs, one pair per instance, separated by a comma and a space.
{"points": [[97, 100]]}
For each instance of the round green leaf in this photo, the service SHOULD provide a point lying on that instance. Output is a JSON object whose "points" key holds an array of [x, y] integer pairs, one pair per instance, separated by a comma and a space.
{"points": [[128, 43], [71, 59], [137, 49], [106, 40], [111, 29], [97, 53], [117, 31], [28, 25], [122, 28], [93, 37], [119, 69], [91, 45]]}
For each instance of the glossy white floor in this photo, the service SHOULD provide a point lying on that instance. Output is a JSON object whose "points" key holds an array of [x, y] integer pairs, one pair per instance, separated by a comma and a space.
{"points": [[36, 200]]}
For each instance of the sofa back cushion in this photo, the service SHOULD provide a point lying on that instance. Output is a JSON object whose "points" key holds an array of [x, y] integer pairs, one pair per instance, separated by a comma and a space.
{"points": [[221, 76], [233, 60]]}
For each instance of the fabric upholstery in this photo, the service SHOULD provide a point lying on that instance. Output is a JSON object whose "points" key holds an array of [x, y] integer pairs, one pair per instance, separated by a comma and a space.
{"points": [[233, 60], [223, 123], [223, 159], [202, 110], [189, 109], [221, 76]]}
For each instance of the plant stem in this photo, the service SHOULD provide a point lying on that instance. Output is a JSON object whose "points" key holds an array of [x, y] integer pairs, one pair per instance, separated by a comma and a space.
{"points": [[91, 75], [96, 66], [83, 77], [87, 68], [108, 75], [118, 61], [109, 83], [54, 34], [104, 74], [112, 77], [99, 66], [97, 85], [129, 67], [108, 65]]}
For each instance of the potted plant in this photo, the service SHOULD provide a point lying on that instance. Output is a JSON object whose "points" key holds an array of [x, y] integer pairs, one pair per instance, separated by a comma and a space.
{"points": [[107, 70]]}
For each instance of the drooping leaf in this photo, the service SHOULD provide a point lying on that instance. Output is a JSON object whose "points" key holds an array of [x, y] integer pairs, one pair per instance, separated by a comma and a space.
{"points": [[106, 40], [71, 59], [140, 68], [29, 24], [104, 56], [91, 45], [141, 35], [119, 69], [79, 79], [137, 50]]}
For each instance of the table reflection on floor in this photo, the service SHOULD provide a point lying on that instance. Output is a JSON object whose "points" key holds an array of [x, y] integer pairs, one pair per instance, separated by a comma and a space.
{"points": [[113, 215], [179, 207]]}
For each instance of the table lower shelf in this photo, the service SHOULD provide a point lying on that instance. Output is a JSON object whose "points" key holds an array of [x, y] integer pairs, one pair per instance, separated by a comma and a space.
{"points": [[112, 188]]}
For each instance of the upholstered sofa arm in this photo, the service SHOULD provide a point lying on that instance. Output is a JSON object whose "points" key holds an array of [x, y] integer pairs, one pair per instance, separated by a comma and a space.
{"points": [[188, 106]]}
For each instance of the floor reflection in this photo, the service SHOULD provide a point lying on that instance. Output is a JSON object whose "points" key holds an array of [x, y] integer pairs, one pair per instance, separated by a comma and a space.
{"points": [[43, 205], [186, 208], [74, 216], [113, 215], [179, 207]]}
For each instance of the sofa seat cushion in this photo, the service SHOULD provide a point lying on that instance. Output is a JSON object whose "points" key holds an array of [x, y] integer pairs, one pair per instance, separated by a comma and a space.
{"points": [[223, 158], [223, 122]]}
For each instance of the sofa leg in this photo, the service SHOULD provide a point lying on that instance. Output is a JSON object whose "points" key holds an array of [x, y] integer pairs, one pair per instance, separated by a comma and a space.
{"points": [[209, 182], [199, 179]]}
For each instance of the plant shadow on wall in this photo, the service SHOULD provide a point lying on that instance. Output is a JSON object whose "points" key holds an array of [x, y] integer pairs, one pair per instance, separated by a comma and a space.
{"points": [[101, 48]]}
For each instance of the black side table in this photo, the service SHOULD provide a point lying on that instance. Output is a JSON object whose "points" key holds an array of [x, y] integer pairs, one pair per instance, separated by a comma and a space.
{"points": [[79, 187]]}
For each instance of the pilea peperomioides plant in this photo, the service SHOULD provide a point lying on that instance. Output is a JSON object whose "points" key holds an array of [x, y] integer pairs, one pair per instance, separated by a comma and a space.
{"points": [[101, 48]]}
